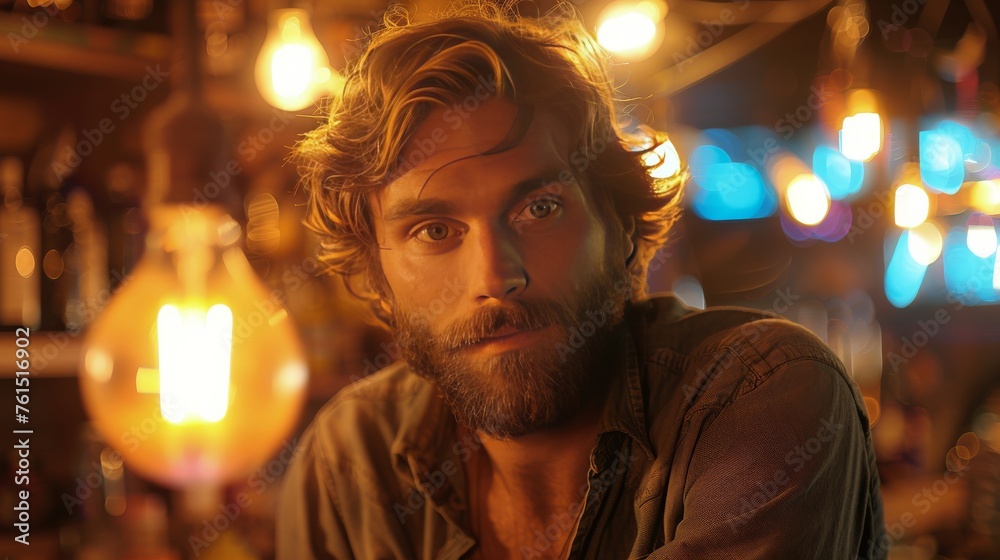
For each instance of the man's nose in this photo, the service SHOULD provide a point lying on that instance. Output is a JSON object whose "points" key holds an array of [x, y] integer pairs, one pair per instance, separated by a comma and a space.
{"points": [[498, 271]]}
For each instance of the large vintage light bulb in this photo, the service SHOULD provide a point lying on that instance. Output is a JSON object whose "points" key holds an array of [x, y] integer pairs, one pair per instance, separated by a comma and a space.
{"points": [[193, 372], [292, 68]]}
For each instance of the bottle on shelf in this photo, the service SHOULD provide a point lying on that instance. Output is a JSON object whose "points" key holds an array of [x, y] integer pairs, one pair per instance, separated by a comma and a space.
{"points": [[74, 260], [47, 177], [20, 251]]}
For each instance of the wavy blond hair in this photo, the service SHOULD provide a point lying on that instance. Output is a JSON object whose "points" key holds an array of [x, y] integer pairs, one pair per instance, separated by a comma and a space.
{"points": [[407, 69]]}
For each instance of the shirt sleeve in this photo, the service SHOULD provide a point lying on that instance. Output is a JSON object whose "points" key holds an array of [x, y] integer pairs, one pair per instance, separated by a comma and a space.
{"points": [[309, 525], [781, 471]]}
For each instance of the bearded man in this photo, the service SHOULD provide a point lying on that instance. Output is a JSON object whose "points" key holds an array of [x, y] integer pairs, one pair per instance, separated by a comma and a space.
{"points": [[473, 185]]}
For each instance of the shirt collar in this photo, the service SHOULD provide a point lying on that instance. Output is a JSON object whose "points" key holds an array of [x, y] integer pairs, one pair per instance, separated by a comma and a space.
{"points": [[625, 411]]}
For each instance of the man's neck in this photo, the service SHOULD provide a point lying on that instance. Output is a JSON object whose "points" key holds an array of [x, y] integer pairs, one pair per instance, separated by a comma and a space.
{"points": [[544, 466]]}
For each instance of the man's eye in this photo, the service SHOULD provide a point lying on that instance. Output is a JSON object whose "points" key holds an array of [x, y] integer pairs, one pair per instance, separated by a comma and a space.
{"points": [[537, 210], [432, 232]]}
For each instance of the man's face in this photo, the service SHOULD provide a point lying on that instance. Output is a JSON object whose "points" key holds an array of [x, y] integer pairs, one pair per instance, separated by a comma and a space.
{"points": [[504, 280]]}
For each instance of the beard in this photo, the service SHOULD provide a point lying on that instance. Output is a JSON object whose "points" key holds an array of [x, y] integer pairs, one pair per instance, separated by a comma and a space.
{"points": [[524, 390]]}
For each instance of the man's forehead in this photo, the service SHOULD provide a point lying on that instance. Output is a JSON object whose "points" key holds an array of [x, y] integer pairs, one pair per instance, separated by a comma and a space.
{"points": [[479, 129], [451, 143]]}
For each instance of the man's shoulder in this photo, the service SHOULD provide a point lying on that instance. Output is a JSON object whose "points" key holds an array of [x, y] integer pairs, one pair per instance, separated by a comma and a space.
{"points": [[373, 409], [730, 350], [672, 326]]}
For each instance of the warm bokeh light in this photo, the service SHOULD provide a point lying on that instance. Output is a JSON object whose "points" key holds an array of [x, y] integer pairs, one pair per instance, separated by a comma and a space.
{"points": [[292, 68], [861, 136], [925, 243], [24, 262], [808, 199], [982, 235], [263, 219], [874, 410], [632, 29], [984, 196], [194, 371], [911, 206], [664, 156]]}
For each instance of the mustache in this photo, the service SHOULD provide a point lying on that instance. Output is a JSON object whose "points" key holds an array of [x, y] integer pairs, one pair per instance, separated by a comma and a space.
{"points": [[517, 314]]}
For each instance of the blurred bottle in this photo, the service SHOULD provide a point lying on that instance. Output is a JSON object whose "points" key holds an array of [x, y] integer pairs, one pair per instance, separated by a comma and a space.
{"points": [[74, 261], [125, 222], [51, 170], [89, 293], [19, 251]]}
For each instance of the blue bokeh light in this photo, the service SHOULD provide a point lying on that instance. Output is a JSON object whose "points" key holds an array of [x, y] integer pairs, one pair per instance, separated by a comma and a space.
{"points": [[903, 275], [942, 160], [731, 191], [967, 276], [843, 177]]}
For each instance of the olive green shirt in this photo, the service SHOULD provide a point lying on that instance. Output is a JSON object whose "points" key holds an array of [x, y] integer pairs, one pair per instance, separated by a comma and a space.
{"points": [[727, 434]]}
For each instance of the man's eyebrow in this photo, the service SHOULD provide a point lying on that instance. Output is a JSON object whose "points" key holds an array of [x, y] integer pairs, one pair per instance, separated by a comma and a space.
{"points": [[430, 206]]}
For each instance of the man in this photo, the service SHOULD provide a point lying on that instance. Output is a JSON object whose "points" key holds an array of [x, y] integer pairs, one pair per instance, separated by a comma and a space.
{"points": [[471, 184]]}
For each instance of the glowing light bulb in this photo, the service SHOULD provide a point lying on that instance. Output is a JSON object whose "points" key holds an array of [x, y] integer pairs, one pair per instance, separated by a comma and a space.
{"points": [[632, 29], [861, 136], [925, 243], [193, 372], [195, 350], [292, 68], [861, 133], [982, 236], [664, 156], [808, 199], [911, 206]]}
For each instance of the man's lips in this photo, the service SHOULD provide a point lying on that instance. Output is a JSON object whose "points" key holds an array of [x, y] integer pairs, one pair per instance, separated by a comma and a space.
{"points": [[503, 332], [506, 336]]}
